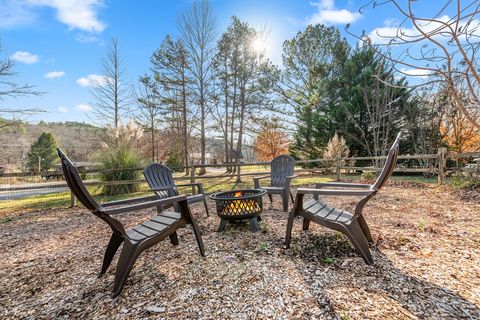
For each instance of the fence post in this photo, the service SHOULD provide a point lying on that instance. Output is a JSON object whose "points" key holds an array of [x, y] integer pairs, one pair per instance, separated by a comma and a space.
{"points": [[72, 200], [192, 174], [337, 169], [442, 165]]}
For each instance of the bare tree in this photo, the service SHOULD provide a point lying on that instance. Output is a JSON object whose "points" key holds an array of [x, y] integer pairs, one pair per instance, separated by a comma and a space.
{"points": [[149, 105], [443, 47], [112, 92], [197, 27], [10, 89]]}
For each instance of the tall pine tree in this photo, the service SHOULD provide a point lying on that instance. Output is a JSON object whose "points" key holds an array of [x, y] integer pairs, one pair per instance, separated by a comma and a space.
{"points": [[43, 153]]}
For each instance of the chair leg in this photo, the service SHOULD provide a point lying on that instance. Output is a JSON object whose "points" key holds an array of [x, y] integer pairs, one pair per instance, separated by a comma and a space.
{"points": [[126, 261], [206, 207], [113, 245], [270, 197], [365, 229], [174, 238], [359, 241], [285, 202], [306, 224], [291, 197], [198, 235], [288, 235]]}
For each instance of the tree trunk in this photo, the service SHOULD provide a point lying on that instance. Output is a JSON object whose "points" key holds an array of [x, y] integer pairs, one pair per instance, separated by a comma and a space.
{"points": [[240, 132], [202, 129], [184, 124], [153, 139]]}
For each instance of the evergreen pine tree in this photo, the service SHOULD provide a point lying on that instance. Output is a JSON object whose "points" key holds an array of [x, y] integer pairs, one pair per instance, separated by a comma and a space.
{"points": [[43, 152]]}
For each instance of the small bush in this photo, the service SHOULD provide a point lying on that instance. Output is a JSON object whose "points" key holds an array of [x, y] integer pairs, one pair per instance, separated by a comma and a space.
{"points": [[174, 162], [368, 175], [462, 182], [119, 158]]}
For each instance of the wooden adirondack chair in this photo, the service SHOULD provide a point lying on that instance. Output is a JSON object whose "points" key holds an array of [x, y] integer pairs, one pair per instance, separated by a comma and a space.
{"points": [[281, 174], [160, 180], [353, 225], [139, 238]]}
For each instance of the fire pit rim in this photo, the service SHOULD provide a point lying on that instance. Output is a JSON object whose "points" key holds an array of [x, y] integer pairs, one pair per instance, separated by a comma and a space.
{"points": [[259, 193]]}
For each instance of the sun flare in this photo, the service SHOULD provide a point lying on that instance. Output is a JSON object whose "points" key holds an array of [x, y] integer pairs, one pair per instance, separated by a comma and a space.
{"points": [[258, 45]]}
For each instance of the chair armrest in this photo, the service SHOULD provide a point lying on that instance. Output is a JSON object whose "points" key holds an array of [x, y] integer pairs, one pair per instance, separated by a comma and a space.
{"points": [[145, 205], [288, 180], [343, 185], [127, 201], [335, 192], [256, 181]]}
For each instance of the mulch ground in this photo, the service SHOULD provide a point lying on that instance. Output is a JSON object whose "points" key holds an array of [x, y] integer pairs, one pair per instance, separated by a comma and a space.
{"points": [[426, 266]]}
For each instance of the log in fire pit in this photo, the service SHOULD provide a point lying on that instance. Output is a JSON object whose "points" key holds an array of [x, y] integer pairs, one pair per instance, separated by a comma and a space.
{"points": [[239, 205]]}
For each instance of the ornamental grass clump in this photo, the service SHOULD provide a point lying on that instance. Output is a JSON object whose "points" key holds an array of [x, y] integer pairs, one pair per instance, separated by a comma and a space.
{"points": [[119, 159]]}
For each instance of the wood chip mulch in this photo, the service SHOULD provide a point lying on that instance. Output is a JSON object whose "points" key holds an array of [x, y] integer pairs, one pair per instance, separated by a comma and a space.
{"points": [[426, 266]]}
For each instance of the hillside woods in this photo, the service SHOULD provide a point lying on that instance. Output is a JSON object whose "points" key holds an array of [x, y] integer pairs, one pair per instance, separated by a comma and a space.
{"points": [[80, 141]]}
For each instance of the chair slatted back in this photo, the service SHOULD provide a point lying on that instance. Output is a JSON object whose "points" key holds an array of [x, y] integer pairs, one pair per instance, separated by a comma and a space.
{"points": [[389, 165], [281, 167], [158, 176], [76, 184]]}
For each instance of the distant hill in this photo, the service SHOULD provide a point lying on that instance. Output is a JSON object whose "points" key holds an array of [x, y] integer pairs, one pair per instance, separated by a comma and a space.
{"points": [[80, 140]]}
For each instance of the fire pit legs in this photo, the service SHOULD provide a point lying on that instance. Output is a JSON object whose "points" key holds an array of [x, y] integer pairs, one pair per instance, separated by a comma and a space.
{"points": [[253, 222], [223, 224]]}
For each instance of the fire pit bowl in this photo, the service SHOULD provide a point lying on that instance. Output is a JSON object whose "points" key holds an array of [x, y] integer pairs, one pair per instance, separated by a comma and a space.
{"points": [[238, 205]]}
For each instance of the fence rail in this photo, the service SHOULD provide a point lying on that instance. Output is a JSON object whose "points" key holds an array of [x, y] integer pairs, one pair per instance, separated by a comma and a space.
{"points": [[431, 164]]}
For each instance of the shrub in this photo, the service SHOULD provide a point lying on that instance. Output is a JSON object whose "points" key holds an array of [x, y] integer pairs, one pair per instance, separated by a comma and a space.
{"points": [[461, 182], [368, 175], [126, 160], [336, 148], [174, 162]]}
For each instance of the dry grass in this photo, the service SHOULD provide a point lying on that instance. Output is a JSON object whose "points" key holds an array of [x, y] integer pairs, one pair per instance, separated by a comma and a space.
{"points": [[427, 256]]}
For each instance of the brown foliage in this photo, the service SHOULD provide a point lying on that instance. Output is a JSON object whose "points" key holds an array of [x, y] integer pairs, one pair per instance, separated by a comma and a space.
{"points": [[271, 142]]}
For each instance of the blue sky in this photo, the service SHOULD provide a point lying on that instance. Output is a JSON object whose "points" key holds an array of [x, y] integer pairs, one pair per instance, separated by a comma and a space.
{"points": [[58, 44]]}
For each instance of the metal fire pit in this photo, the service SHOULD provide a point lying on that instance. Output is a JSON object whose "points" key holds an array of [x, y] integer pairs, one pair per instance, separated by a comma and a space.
{"points": [[238, 205]]}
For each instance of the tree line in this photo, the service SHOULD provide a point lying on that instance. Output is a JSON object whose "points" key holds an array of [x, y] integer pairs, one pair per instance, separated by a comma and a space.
{"points": [[221, 85]]}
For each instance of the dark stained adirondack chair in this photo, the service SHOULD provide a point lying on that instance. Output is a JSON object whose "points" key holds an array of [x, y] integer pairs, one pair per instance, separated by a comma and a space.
{"points": [[139, 238], [353, 225], [160, 180], [281, 174]]}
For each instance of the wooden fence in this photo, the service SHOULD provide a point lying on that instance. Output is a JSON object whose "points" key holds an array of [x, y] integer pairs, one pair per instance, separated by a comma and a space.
{"points": [[436, 164]]}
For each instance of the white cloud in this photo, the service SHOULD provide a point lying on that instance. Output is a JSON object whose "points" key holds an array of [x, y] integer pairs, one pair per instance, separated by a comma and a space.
{"points": [[54, 74], [83, 107], [391, 30], [82, 38], [62, 110], [92, 79], [15, 13], [76, 14], [24, 57], [421, 73], [328, 14]]}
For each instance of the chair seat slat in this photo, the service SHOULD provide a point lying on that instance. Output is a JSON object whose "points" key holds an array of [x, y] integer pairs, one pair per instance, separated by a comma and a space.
{"points": [[170, 214], [163, 220], [158, 227]]}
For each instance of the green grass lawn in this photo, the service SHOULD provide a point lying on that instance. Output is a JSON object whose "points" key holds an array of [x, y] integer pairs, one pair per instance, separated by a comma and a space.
{"points": [[62, 200]]}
